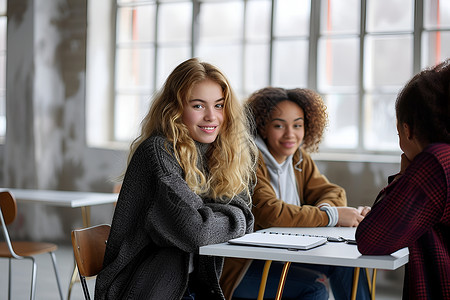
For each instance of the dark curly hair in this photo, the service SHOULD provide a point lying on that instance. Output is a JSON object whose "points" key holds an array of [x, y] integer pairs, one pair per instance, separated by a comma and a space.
{"points": [[424, 104], [262, 103]]}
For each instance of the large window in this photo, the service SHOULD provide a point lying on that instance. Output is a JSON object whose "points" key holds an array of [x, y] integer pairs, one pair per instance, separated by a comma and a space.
{"points": [[3, 22], [356, 53]]}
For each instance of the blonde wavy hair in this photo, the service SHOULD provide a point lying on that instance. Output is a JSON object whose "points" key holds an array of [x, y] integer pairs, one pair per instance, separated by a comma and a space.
{"points": [[231, 157]]}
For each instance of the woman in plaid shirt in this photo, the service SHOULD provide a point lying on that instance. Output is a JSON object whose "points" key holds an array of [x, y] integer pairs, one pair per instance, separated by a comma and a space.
{"points": [[414, 209]]}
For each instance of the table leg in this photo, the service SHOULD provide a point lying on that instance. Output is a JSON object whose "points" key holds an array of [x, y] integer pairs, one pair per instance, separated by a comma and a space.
{"points": [[372, 283], [282, 280], [355, 282], [262, 285], [86, 217], [368, 280], [374, 278]]}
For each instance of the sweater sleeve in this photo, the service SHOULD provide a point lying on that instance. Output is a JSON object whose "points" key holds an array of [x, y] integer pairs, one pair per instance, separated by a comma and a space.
{"points": [[405, 209]]}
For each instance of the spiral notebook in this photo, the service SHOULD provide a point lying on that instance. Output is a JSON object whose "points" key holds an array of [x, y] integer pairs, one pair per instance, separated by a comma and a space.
{"points": [[277, 240]]}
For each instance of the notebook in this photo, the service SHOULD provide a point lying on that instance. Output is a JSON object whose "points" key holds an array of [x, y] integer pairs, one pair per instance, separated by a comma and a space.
{"points": [[268, 239]]}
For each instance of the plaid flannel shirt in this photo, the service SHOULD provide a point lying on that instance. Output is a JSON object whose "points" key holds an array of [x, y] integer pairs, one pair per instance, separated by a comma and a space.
{"points": [[414, 212]]}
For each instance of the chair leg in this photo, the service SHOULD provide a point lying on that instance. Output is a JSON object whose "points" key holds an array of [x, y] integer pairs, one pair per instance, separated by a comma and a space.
{"points": [[52, 255], [85, 287], [9, 279], [33, 278], [72, 281]]}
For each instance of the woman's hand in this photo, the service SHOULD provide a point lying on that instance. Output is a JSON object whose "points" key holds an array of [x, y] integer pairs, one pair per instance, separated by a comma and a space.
{"points": [[364, 210], [404, 163], [349, 216]]}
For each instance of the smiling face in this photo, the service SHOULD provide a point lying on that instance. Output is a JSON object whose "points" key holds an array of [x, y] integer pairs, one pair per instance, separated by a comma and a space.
{"points": [[203, 113], [285, 130]]}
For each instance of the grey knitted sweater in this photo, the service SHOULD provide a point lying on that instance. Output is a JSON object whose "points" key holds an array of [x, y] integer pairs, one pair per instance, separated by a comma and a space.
{"points": [[157, 223]]}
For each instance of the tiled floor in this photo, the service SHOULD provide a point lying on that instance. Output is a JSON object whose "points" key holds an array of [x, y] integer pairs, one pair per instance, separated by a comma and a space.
{"points": [[389, 283]]}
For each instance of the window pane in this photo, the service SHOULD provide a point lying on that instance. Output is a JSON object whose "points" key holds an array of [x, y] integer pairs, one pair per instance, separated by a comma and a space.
{"points": [[436, 14], [388, 61], [168, 59], [342, 132], [435, 47], [2, 116], [258, 20], [3, 7], [2, 73], [256, 67], [129, 112], [3, 21], [380, 131], [291, 17], [290, 63], [227, 58], [390, 15], [134, 68], [135, 24], [174, 22], [133, 1], [340, 16], [221, 21], [338, 64], [2, 59]]}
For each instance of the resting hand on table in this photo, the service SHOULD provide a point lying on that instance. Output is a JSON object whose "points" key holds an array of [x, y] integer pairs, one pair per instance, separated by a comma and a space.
{"points": [[350, 216], [364, 210]]}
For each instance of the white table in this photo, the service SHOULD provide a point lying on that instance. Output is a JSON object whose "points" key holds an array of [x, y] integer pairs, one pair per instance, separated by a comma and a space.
{"points": [[74, 199], [63, 198], [331, 253]]}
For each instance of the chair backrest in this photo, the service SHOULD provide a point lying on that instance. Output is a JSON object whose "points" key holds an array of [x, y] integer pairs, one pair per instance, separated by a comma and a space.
{"points": [[89, 246], [8, 207]]}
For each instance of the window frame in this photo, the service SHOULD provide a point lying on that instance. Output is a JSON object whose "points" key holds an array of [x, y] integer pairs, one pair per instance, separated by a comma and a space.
{"points": [[355, 154]]}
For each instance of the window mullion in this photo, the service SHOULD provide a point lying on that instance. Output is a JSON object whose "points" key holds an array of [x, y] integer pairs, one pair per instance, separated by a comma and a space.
{"points": [[418, 29], [156, 45], [195, 26], [111, 121], [314, 33], [362, 90], [272, 22]]}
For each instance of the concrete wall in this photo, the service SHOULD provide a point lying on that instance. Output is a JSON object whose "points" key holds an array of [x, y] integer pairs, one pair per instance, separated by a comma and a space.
{"points": [[45, 145]]}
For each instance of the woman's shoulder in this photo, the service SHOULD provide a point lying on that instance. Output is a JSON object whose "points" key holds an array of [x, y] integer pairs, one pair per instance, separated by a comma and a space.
{"points": [[441, 151], [438, 148], [155, 140], [157, 144], [158, 150]]}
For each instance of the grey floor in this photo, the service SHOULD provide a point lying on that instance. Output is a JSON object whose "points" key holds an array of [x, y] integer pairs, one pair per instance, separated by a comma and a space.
{"points": [[389, 283]]}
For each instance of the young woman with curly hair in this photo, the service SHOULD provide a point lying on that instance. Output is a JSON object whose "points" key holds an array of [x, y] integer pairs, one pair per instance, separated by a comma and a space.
{"points": [[291, 192], [413, 210], [188, 183]]}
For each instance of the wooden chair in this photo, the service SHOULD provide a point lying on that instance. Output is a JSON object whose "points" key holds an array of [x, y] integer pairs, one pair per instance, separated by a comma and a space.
{"points": [[23, 249], [89, 246]]}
